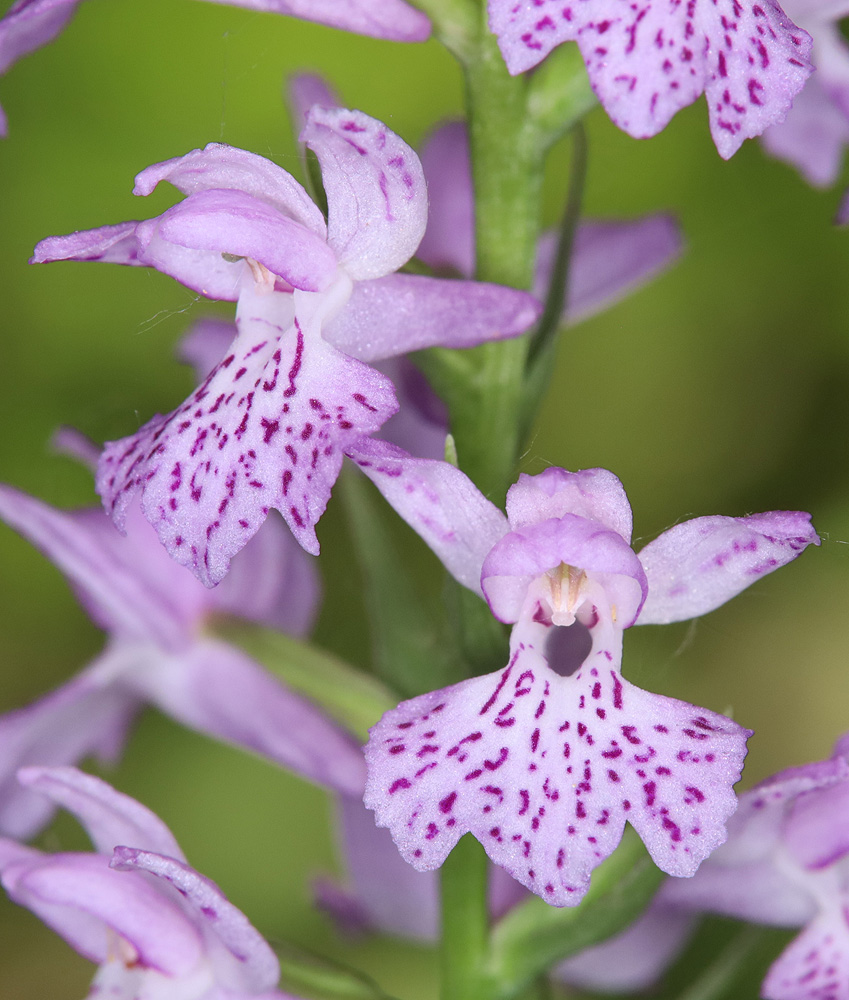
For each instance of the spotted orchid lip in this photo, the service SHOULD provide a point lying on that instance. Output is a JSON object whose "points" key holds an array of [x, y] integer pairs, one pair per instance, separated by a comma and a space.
{"points": [[646, 62], [546, 770]]}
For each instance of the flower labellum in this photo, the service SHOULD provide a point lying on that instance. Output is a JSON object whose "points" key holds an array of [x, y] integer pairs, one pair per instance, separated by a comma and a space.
{"points": [[545, 760]]}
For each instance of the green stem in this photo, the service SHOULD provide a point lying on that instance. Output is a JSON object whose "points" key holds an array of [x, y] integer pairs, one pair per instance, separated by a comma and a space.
{"points": [[465, 924], [507, 171]]}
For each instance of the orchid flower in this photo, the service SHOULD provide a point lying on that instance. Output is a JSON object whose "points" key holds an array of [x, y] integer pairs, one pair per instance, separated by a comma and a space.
{"points": [[154, 614], [155, 926], [269, 425], [816, 130], [784, 864], [545, 760], [648, 60]]}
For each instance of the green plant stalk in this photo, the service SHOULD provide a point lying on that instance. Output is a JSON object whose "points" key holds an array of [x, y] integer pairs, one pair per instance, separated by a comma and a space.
{"points": [[465, 924], [507, 171]]}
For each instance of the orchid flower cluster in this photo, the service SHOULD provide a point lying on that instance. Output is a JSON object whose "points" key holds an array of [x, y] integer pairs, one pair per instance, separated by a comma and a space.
{"points": [[508, 782]]}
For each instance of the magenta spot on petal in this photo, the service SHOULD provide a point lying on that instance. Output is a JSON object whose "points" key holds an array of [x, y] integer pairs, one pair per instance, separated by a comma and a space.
{"points": [[447, 803], [398, 784]]}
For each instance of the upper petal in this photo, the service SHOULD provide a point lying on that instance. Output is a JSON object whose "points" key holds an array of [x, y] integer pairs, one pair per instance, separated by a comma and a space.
{"points": [[521, 556], [243, 959], [401, 313], [439, 502], [221, 166], [109, 817], [376, 194], [544, 770], [266, 429], [390, 19], [700, 564], [221, 221], [648, 60], [595, 494]]}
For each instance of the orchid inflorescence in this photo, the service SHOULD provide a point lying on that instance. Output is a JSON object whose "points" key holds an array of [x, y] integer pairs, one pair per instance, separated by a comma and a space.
{"points": [[401, 310]]}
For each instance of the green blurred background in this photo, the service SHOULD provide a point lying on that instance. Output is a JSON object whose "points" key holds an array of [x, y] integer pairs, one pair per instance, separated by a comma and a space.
{"points": [[720, 388]]}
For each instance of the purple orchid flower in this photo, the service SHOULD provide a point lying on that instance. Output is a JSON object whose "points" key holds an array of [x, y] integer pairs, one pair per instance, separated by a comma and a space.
{"points": [[154, 613], [784, 864], [545, 760], [813, 136], [646, 61], [269, 425], [155, 926]]}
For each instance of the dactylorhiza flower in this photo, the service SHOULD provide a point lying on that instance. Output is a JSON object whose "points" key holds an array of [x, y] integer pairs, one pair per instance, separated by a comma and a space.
{"points": [[813, 136], [647, 61], [154, 925], [545, 760], [30, 24], [154, 614], [785, 864], [269, 426]]}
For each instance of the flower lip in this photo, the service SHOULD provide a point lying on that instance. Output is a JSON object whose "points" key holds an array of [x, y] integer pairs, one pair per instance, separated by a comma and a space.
{"points": [[569, 565]]}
